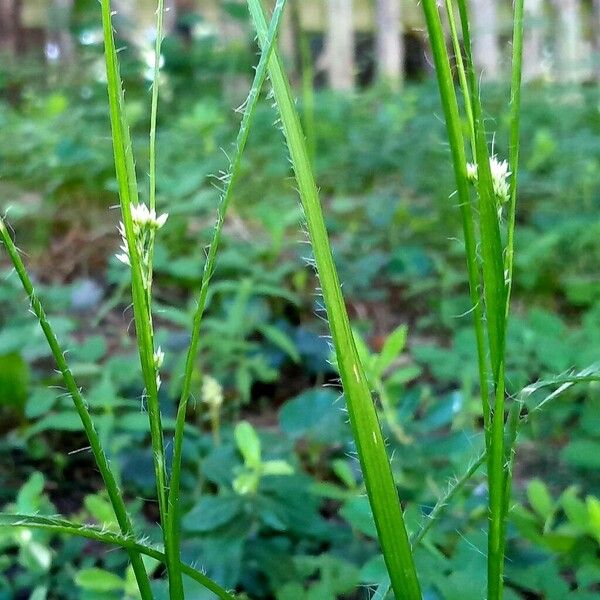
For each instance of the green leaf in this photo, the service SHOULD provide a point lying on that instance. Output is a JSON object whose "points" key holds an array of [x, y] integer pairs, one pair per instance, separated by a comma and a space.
{"points": [[35, 556], [583, 454], [100, 509], [358, 513], [574, 508], [211, 512], [593, 507], [277, 467], [393, 347], [248, 443], [29, 498], [98, 580], [314, 414], [540, 499], [281, 340], [14, 381]]}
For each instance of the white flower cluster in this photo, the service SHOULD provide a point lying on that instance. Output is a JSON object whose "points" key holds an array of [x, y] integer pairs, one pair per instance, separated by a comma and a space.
{"points": [[159, 359], [500, 175], [145, 224], [212, 392]]}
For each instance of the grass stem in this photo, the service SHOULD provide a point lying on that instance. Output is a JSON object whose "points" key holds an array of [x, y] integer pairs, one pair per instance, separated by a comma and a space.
{"points": [[112, 488]]}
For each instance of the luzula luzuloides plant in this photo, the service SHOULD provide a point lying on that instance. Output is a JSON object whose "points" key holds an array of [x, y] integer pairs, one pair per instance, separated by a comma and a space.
{"points": [[489, 273]]}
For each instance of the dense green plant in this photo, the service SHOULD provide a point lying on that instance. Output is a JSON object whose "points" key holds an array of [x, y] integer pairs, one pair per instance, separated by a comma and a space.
{"points": [[253, 491]]}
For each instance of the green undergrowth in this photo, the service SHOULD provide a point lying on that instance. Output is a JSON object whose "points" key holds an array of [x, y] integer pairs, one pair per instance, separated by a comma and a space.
{"points": [[273, 503]]}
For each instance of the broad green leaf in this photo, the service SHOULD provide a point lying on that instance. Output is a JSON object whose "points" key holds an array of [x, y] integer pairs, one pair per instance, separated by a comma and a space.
{"points": [[315, 414], [593, 507], [392, 348], [540, 499], [98, 580], [248, 443], [211, 512]]}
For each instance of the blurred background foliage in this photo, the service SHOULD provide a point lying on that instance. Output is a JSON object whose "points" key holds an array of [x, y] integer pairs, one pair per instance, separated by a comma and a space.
{"points": [[273, 498]]}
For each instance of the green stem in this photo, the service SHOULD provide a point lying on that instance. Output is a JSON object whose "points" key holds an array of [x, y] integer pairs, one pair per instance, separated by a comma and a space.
{"points": [[126, 542], [515, 130], [209, 268], [462, 75], [459, 159], [128, 194], [112, 488], [443, 502], [160, 11], [379, 481]]}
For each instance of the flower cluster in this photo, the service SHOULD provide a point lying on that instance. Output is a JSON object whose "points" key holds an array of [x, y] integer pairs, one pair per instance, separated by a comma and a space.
{"points": [[145, 224], [159, 359], [500, 175], [212, 392]]}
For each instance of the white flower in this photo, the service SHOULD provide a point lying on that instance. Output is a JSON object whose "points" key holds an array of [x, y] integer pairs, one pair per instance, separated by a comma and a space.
{"points": [[472, 172], [212, 392], [145, 223], [159, 358], [500, 175], [144, 217]]}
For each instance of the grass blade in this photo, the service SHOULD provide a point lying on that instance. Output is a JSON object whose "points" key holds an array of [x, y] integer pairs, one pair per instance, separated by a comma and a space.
{"points": [[128, 543], [160, 11], [459, 161], [112, 488], [515, 143], [443, 502], [381, 489], [209, 267], [128, 194]]}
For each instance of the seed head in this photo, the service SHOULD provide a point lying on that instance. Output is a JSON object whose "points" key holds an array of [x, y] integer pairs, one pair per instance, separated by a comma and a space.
{"points": [[212, 392], [472, 172], [500, 175]]}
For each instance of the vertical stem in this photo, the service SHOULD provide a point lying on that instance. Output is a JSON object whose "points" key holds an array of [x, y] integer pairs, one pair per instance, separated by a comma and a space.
{"points": [[459, 159], [128, 194], [112, 488], [370, 444], [209, 268], [515, 130]]}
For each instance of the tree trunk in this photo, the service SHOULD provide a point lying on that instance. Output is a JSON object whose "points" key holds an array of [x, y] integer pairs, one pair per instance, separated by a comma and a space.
{"points": [[486, 45], [10, 26], [533, 43], [389, 42], [340, 44], [568, 52]]}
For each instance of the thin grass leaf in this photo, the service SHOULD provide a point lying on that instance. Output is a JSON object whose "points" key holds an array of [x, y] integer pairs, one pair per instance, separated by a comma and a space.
{"points": [[128, 543], [515, 141], [160, 11], [128, 194], [210, 265], [462, 74], [459, 161], [495, 294], [566, 380], [381, 489], [445, 500], [112, 488]]}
